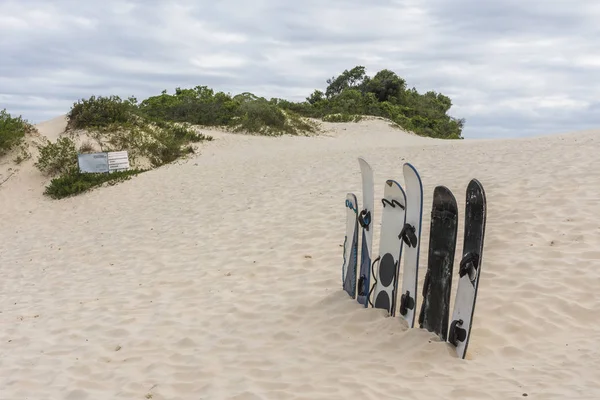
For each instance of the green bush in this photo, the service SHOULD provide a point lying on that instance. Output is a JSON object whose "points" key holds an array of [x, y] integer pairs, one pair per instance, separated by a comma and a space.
{"points": [[59, 157], [383, 95], [300, 124], [75, 182], [12, 131], [260, 117], [198, 106], [100, 112], [171, 142]]}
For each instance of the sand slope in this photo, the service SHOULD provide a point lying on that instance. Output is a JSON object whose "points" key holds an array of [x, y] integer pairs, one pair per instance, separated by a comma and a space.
{"points": [[220, 277]]}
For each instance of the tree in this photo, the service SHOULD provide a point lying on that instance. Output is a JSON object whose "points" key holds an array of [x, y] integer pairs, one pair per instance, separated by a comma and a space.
{"points": [[386, 86], [315, 97], [347, 80]]}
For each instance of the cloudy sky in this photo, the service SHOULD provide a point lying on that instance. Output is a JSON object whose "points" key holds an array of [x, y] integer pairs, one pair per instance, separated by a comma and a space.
{"points": [[511, 67]]}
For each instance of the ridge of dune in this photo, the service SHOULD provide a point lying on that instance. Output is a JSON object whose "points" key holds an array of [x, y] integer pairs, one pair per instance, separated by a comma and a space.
{"points": [[219, 276], [53, 128]]}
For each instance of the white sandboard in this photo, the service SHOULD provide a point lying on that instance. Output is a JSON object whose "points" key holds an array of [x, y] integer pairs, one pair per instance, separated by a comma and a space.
{"points": [[365, 219], [459, 331], [390, 247], [411, 237], [350, 246]]}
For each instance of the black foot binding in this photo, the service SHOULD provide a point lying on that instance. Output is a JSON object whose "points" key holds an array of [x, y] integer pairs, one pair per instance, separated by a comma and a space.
{"points": [[456, 333], [406, 303], [361, 286], [364, 219], [392, 203], [408, 235], [469, 265]]}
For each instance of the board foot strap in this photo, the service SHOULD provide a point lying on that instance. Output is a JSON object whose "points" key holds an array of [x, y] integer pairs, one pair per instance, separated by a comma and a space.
{"points": [[406, 303], [364, 219], [456, 333], [392, 203], [469, 265], [407, 234]]}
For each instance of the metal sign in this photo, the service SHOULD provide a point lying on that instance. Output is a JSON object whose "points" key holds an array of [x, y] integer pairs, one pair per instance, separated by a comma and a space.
{"points": [[93, 162], [103, 162], [118, 161]]}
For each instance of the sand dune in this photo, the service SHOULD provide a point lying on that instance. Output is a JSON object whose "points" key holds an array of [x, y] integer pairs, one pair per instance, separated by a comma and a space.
{"points": [[220, 277]]}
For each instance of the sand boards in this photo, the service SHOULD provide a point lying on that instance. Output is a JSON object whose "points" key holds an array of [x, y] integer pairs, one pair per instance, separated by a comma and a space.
{"points": [[438, 279], [411, 237], [350, 246], [470, 268], [365, 219], [390, 247], [400, 237]]}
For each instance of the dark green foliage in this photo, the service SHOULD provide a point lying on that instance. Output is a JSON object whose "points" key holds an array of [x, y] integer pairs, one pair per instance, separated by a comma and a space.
{"points": [[353, 79], [101, 112], [351, 94], [260, 117], [198, 106], [386, 86], [170, 142], [12, 131], [57, 158], [383, 95], [75, 182]]}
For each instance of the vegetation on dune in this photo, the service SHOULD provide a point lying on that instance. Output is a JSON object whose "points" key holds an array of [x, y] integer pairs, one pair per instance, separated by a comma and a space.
{"points": [[121, 125], [160, 128], [75, 182], [12, 131], [114, 125], [244, 112], [353, 94], [347, 98]]}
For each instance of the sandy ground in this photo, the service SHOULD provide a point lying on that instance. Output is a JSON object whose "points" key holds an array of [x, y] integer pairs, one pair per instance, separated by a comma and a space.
{"points": [[219, 277]]}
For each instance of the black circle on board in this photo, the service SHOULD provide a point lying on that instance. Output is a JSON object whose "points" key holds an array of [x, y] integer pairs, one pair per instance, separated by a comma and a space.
{"points": [[382, 301], [387, 270]]}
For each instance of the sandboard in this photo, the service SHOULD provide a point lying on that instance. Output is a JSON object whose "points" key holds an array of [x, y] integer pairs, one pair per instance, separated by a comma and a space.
{"points": [[365, 219], [411, 237], [350, 246], [438, 279], [390, 247], [470, 268]]}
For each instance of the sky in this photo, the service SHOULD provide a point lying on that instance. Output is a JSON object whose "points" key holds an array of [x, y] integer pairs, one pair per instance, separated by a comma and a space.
{"points": [[511, 67]]}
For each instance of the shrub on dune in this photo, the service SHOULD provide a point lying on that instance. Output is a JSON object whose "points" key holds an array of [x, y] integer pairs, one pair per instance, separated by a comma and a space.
{"points": [[12, 131]]}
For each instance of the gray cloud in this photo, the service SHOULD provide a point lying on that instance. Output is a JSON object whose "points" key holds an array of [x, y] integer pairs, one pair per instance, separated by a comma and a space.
{"points": [[511, 68]]}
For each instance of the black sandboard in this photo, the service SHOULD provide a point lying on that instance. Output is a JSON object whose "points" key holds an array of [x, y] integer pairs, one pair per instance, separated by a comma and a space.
{"points": [[435, 307], [470, 268]]}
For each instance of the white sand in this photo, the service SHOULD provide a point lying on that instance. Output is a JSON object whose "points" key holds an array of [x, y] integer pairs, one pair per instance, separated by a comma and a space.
{"points": [[220, 277]]}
